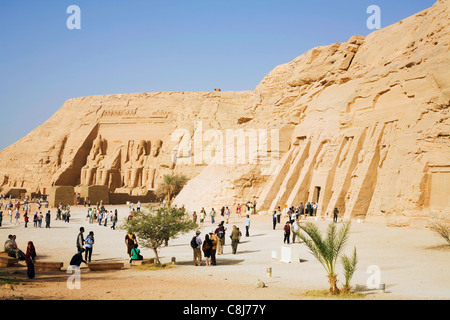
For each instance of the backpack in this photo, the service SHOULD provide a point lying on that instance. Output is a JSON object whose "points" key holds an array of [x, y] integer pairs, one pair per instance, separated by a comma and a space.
{"points": [[194, 243]]}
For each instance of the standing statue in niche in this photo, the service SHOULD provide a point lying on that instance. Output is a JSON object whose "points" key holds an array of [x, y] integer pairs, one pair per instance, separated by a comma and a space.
{"points": [[135, 164], [95, 157], [152, 165], [345, 151]]}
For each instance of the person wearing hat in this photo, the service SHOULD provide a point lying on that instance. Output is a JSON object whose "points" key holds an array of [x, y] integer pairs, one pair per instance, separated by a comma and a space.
{"points": [[197, 249]]}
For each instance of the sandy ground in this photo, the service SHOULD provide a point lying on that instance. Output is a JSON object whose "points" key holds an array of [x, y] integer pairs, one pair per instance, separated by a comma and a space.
{"points": [[413, 263]]}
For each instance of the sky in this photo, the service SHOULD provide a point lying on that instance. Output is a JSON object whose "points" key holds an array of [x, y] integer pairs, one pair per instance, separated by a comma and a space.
{"points": [[167, 45]]}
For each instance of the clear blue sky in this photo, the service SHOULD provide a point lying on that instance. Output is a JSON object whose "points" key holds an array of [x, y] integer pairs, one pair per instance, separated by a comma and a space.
{"points": [[127, 46]]}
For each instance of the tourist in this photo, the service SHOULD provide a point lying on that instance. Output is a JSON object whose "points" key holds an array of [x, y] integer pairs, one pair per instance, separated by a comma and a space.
{"points": [[227, 214], [100, 218], [247, 226], [114, 220], [138, 206], [67, 218], [287, 232], [12, 249], [106, 219], [41, 217], [335, 215], [17, 216], [279, 215], [77, 259], [1, 217], [206, 247], [295, 230], [274, 219], [314, 208], [47, 219], [202, 216], [80, 240], [212, 215], [25, 218], [10, 215], [220, 233], [130, 241], [194, 217], [136, 253], [235, 237], [215, 241], [238, 210], [196, 244], [30, 258], [89, 246], [309, 209], [35, 219]]}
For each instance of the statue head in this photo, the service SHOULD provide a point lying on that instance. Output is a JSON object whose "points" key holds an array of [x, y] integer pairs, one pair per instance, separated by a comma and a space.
{"points": [[156, 148]]}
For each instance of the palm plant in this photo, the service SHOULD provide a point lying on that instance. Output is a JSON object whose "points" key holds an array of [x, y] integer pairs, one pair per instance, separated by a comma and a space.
{"points": [[349, 264], [327, 250], [170, 186]]}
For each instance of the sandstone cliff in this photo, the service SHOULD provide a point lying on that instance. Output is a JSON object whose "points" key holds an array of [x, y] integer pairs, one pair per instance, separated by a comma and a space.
{"points": [[362, 126]]}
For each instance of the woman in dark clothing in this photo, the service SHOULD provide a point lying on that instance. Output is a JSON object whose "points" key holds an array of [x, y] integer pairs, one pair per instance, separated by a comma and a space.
{"points": [[29, 259], [207, 247]]}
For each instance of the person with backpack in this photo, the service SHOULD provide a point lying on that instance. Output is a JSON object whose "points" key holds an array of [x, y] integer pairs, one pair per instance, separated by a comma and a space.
{"points": [[196, 245], [214, 240], [207, 247], [220, 233]]}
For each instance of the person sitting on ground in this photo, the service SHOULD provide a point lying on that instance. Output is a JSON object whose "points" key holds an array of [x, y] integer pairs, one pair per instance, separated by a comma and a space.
{"points": [[12, 249], [136, 254]]}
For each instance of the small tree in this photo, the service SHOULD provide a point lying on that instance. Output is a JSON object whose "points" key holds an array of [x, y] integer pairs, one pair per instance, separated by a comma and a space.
{"points": [[349, 264], [170, 186], [154, 226], [327, 250]]}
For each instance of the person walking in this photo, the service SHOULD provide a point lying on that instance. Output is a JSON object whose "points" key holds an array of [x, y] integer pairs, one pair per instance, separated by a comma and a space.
{"points": [[1, 217], [89, 246], [220, 233], [196, 244], [47, 219], [80, 240], [35, 219], [247, 226], [41, 217], [235, 237], [212, 215], [17, 216], [274, 219], [279, 215], [114, 220], [335, 215], [287, 232], [295, 230], [215, 241], [206, 247], [25, 218], [30, 258]]}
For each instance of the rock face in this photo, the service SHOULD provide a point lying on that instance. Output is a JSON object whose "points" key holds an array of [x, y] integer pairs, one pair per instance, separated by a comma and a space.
{"points": [[362, 126]]}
